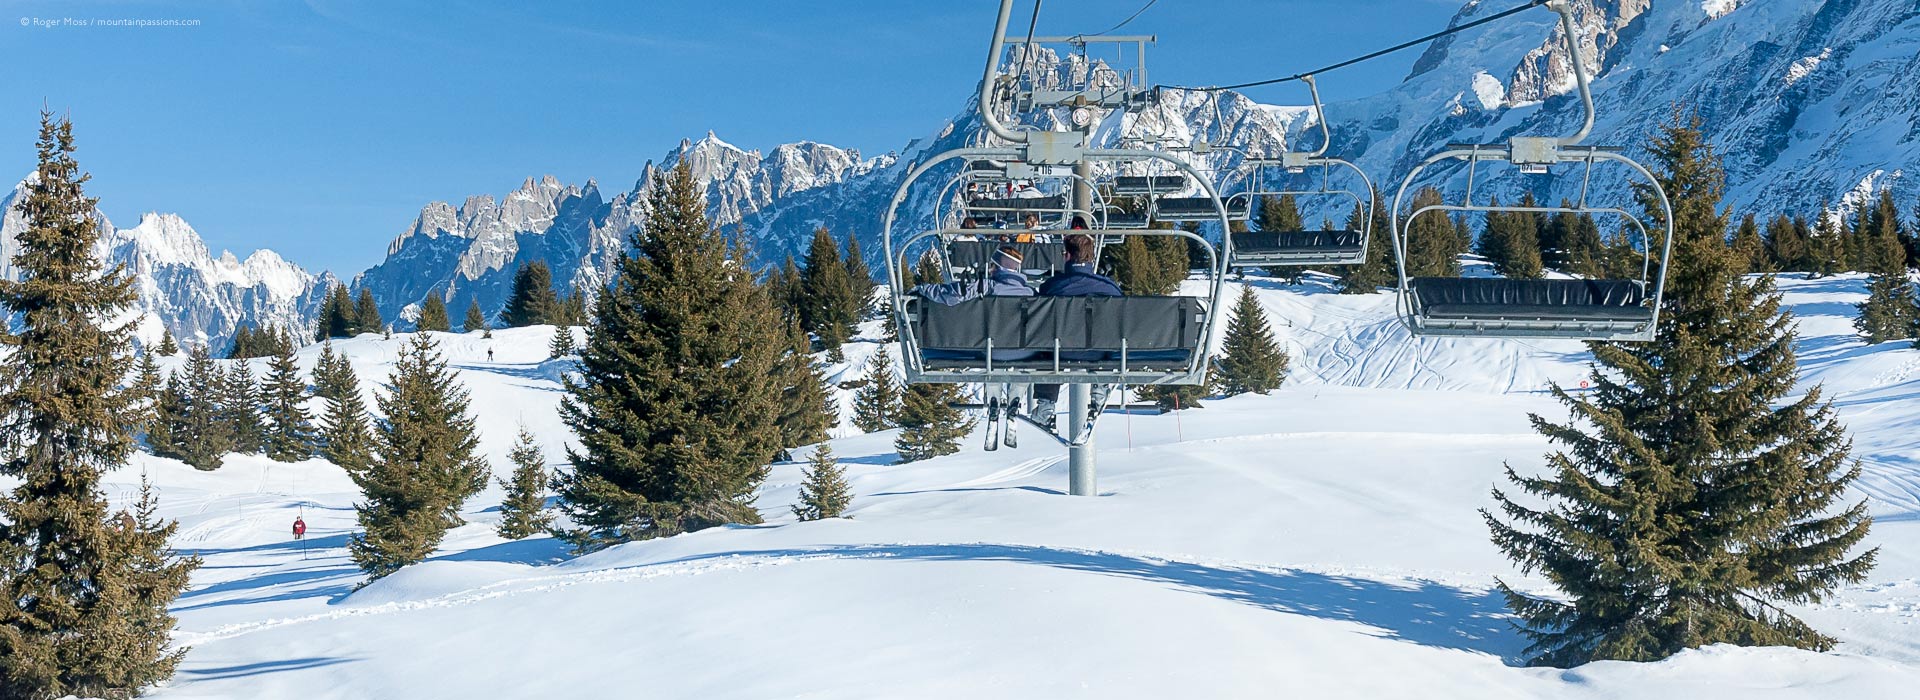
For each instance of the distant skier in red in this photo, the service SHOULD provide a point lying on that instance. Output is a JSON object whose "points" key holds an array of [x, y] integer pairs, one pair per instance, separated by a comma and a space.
{"points": [[299, 528]]}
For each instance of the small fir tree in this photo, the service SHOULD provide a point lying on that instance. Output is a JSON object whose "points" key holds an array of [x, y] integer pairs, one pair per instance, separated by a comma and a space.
{"points": [[929, 424], [877, 403], [337, 316], [199, 431], [1787, 244], [1888, 313], [533, 301], [825, 493], [83, 593], [475, 320], [1368, 277], [829, 309], [1748, 245], [168, 348], [523, 511], [1433, 244], [807, 408], [366, 314], [1691, 499], [144, 393], [289, 428], [433, 315], [562, 344], [859, 278], [1174, 397], [425, 464], [346, 433], [240, 409], [1252, 361], [170, 405]]}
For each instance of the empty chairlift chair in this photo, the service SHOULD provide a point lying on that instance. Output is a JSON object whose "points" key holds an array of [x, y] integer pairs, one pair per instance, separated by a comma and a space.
{"points": [[1308, 246], [1577, 309]]}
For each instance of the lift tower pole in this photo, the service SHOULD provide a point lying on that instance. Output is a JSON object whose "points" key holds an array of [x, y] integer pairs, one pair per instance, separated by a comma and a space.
{"points": [[1080, 454]]}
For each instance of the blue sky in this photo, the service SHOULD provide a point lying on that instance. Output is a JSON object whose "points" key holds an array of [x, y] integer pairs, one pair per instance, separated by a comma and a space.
{"points": [[319, 128]]}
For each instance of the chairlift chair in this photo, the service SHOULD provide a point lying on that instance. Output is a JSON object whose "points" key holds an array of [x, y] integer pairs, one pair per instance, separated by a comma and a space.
{"points": [[1575, 309], [1308, 246]]}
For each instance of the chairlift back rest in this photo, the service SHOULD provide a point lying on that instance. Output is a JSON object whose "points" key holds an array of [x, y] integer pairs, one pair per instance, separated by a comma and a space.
{"points": [[1149, 184], [1301, 241], [1054, 203], [1198, 209], [1521, 300], [1035, 258], [1148, 326]]}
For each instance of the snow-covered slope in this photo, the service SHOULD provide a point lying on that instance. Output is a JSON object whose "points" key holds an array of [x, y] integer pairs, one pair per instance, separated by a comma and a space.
{"points": [[1321, 541], [182, 285]]}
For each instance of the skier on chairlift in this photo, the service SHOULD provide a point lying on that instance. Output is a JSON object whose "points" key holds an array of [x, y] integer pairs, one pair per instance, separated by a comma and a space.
{"points": [[1078, 280]]}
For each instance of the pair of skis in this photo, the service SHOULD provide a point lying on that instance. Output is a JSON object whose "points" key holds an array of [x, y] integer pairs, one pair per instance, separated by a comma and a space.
{"points": [[1002, 413]]}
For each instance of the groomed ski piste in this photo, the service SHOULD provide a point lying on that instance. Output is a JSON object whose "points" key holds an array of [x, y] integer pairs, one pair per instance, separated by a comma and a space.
{"points": [[1321, 541]]}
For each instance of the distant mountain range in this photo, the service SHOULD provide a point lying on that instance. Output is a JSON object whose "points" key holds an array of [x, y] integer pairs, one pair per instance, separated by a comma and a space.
{"points": [[1806, 101]]}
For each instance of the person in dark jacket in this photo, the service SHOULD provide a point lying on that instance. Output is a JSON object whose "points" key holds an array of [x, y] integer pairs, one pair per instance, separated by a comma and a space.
{"points": [[1078, 280]]}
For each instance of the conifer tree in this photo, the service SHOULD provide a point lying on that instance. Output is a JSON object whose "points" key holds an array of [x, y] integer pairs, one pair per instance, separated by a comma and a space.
{"points": [[672, 407], [1368, 277], [83, 593], [1252, 360], [859, 278], [573, 312], [784, 285], [877, 403], [807, 409], [829, 309], [1748, 245], [1787, 244], [327, 372], [1511, 241], [240, 408], [1827, 244], [289, 428], [562, 344], [337, 316], [523, 511], [929, 425], [144, 393], [1280, 213], [170, 404], [475, 320], [199, 433], [433, 315], [1689, 501], [1148, 265], [825, 493], [366, 314], [425, 464], [533, 300], [1174, 397], [1433, 244], [346, 433], [167, 347], [1888, 313]]}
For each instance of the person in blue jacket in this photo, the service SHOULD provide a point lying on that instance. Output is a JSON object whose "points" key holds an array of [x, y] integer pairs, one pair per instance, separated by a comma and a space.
{"points": [[1004, 280], [1078, 280]]}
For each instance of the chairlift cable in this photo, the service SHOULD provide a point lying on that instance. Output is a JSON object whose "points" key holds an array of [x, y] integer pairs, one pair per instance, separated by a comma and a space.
{"points": [[1382, 52], [1130, 18]]}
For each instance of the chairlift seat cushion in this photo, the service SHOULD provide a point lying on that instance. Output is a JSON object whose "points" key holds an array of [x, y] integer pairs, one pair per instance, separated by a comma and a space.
{"points": [[1316, 242], [1474, 298], [1035, 258], [1149, 184], [1158, 332]]}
